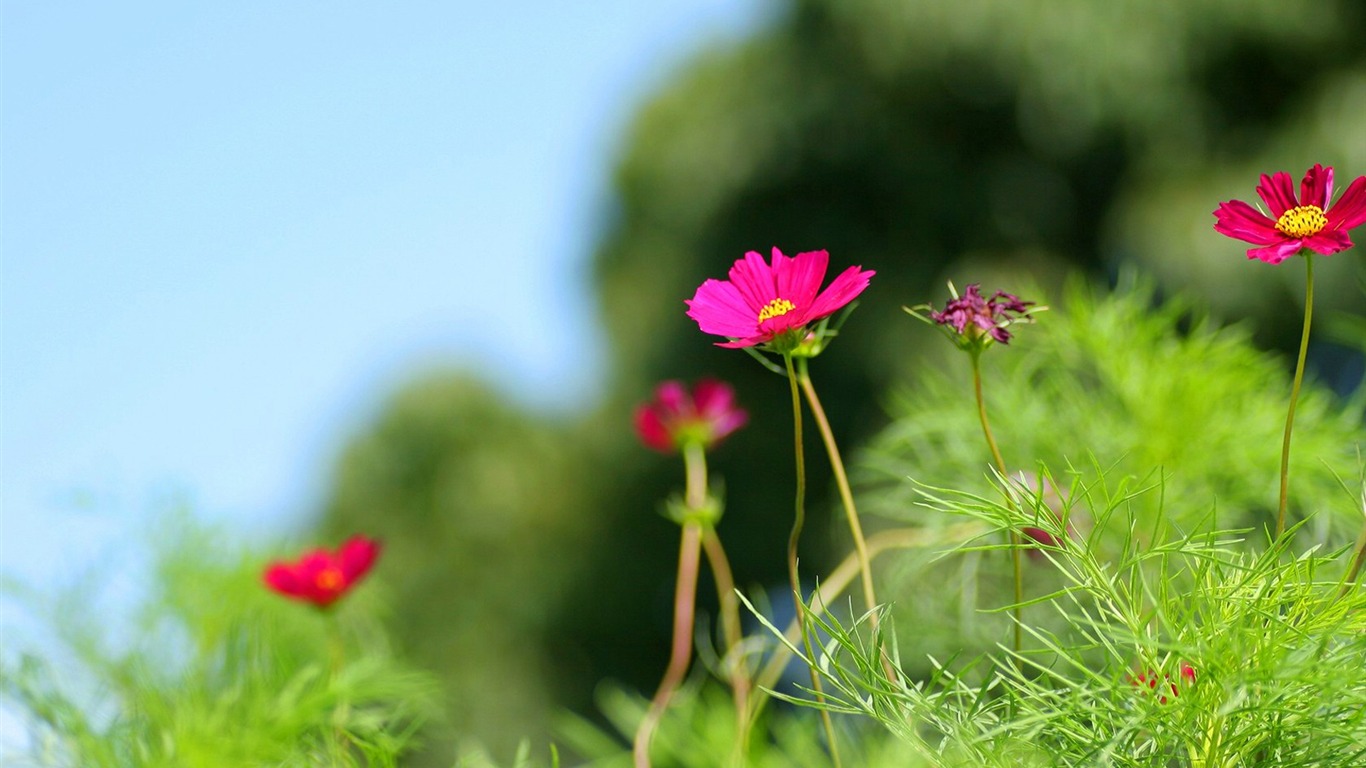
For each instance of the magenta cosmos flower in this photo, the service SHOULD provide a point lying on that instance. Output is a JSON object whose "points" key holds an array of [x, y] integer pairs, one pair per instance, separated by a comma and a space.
{"points": [[973, 317], [765, 303], [1312, 222], [675, 417], [321, 577]]}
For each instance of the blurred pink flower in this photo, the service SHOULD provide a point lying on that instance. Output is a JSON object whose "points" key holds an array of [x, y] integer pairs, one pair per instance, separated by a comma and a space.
{"points": [[321, 577], [675, 418], [1041, 536], [971, 315], [1313, 222], [1163, 684], [1053, 506], [762, 302]]}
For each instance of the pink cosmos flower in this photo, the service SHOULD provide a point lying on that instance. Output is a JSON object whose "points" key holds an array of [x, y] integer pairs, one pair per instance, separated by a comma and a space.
{"points": [[1307, 223], [763, 303], [675, 418], [972, 316], [321, 577]]}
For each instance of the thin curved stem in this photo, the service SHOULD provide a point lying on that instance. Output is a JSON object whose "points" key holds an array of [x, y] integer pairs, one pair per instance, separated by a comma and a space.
{"points": [[685, 595], [695, 476], [1359, 553], [685, 600], [842, 483], [1015, 541], [337, 657], [799, 520], [737, 665], [839, 579], [1357, 559], [336, 647], [1295, 393], [799, 517]]}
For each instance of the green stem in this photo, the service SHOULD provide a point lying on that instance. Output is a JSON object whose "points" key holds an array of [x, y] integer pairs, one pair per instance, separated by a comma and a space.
{"points": [[336, 649], [1357, 559], [696, 497], [841, 482], [839, 579], [1295, 393], [799, 520], [735, 662], [337, 659], [695, 476], [685, 595], [1001, 467], [850, 511]]}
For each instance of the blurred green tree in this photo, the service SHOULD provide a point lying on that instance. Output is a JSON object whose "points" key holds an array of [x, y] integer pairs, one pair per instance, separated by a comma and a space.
{"points": [[482, 516]]}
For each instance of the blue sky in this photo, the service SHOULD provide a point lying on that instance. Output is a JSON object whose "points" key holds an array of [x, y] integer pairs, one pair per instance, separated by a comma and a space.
{"points": [[228, 230]]}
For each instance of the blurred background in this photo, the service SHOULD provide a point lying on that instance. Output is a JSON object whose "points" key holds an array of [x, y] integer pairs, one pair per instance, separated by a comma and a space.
{"points": [[315, 269]]}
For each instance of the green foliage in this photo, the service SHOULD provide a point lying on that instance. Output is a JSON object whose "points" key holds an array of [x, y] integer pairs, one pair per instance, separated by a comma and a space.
{"points": [[219, 671], [699, 732], [1104, 390], [476, 757], [1274, 643], [1134, 386]]}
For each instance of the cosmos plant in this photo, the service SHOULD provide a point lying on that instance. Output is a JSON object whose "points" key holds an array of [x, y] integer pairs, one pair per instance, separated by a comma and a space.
{"points": [[691, 423], [974, 323], [1312, 224]]}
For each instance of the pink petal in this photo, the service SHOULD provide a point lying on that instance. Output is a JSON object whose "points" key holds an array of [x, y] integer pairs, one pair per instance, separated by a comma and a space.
{"points": [[1328, 242], [1275, 254], [719, 309], [732, 421], [782, 323], [1350, 209], [356, 557], [1317, 187], [671, 399], [799, 278], [1278, 192], [753, 278], [651, 430], [715, 401], [842, 290], [752, 341], [282, 578], [713, 398], [314, 560], [1241, 221]]}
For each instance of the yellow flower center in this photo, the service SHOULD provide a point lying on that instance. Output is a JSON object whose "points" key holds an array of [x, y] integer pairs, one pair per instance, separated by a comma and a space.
{"points": [[329, 579], [776, 308], [1303, 221]]}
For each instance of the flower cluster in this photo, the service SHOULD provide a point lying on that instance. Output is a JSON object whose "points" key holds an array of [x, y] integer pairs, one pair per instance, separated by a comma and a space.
{"points": [[1312, 222], [676, 418], [322, 577], [1162, 685], [977, 321], [771, 305]]}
